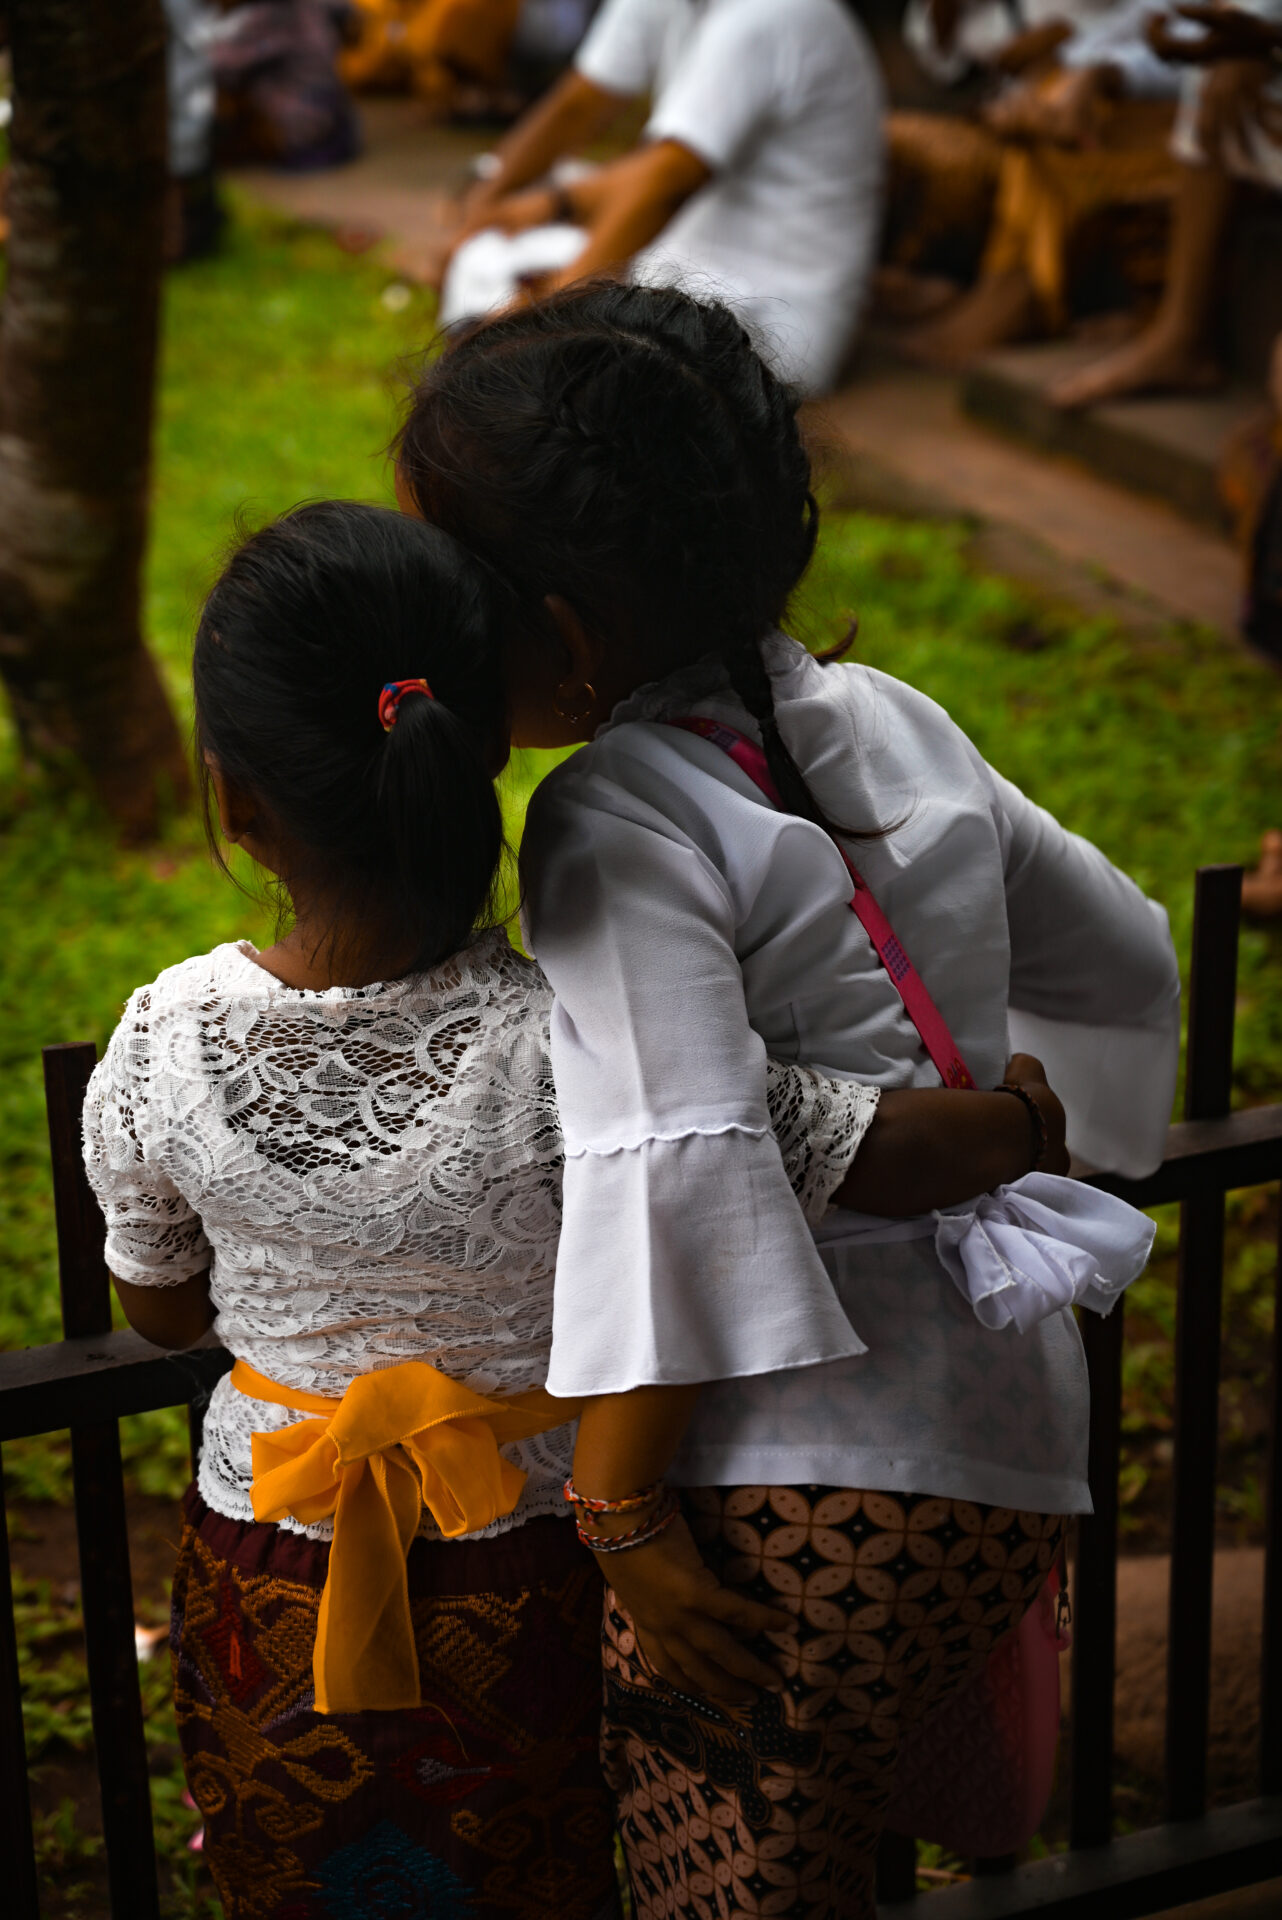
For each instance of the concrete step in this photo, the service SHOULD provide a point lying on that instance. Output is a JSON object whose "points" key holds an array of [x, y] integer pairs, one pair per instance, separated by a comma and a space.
{"points": [[1166, 446], [895, 440]]}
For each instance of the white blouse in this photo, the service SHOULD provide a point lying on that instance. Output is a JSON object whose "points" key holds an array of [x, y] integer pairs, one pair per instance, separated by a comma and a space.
{"points": [[688, 928], [370, 1175]]}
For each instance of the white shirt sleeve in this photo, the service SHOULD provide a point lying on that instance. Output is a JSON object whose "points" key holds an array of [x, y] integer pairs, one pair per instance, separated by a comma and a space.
{"points": [[154, 1238], [981, 33], [684, 1255], [1116, 39], [620, 51], [731, 79], [1094, 988]]}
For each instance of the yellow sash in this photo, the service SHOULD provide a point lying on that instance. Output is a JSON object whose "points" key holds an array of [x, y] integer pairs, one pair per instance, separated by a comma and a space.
{"points": [[399, 1439]]}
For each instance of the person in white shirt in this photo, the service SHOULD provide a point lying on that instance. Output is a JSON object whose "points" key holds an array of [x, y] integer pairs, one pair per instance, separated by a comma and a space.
{"points": [[344, 1152], [757, 178], [874, 1435]]}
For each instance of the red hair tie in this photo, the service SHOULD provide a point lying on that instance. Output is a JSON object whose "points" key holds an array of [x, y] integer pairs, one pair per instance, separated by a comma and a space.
{"points": [[393, 693]]}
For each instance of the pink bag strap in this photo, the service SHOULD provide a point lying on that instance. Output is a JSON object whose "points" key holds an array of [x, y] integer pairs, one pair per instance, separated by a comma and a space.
{"points": [[908, 983]]}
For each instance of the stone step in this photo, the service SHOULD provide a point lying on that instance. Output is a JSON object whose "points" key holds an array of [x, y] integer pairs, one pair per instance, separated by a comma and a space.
{"points": [[1166, 446], [895, 440]]}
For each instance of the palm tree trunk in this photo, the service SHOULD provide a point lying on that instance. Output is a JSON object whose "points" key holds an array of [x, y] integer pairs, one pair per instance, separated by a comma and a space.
{"points": [[77, 367]]}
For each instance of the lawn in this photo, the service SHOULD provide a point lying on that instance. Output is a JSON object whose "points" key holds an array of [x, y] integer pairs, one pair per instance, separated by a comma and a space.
{"points": [[279, 384]]}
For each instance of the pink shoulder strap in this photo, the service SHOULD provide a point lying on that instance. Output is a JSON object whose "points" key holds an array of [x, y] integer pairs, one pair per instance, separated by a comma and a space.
{"points": [[910, 986]]}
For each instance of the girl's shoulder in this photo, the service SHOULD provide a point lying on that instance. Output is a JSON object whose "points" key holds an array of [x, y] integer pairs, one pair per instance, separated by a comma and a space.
{"points": [[191, 981]]}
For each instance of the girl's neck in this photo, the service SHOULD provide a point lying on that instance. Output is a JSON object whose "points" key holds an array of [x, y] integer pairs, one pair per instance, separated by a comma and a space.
{"points": [[310, 958]]}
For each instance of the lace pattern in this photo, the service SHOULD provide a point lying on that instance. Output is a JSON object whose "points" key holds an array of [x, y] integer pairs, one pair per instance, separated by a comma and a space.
{"points": [[371, 1175]]}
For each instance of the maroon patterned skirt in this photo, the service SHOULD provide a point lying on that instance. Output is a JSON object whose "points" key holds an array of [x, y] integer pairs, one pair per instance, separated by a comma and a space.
{"points": [[487, 1800]]}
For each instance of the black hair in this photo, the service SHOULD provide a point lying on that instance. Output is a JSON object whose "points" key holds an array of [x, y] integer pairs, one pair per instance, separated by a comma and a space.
{"points": [[401, 831], [628, 448]]}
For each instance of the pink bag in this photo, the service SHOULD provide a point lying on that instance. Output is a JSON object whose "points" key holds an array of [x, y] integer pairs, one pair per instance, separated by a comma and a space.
{"points": [[975, 1776]]}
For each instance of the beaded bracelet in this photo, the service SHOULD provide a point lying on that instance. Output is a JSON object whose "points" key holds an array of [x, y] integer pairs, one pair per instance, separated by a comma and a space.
{"points": [[1036, 1117], [631, 1503], [650, 1529]]}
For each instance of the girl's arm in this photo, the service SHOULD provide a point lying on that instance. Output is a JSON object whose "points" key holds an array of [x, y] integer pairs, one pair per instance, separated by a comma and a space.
{"points": [[904, 1152], [174, 1316], [935, 1146], [691, 1628]]}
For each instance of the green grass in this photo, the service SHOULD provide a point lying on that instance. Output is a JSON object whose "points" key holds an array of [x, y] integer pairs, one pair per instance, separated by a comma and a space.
{"points": [[278, 385]]}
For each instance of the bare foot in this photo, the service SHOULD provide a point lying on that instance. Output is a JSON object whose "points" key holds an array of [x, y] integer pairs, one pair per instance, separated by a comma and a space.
{"points": [[1148, 364], [1262, 889], [994, 313]]}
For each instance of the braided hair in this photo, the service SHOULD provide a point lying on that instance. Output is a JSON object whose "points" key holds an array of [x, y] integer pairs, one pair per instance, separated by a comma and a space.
{"points": [[627, 447]]}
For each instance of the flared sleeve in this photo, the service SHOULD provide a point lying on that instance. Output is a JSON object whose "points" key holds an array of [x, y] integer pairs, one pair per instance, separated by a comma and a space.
{"points": [[1094, 988], [684, 1255]]}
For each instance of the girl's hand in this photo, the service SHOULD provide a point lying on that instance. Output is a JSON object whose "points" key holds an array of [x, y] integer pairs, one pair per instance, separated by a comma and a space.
{"points": [[1024, 1071], [690, 1627]]}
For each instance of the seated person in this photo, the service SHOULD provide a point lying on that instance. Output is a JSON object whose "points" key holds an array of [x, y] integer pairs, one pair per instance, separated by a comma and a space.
{"points": [[441, 50], [280, 99], [1083, 128], [757, 177], [1229, 128]]}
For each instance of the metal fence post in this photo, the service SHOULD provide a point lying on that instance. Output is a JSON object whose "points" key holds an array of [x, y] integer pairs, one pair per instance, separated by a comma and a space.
{"points": [[101, 1524], [1209, 1075]]}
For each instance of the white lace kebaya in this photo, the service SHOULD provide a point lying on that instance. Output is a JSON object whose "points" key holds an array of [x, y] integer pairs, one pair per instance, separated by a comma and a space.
{"points": [[371, 1175]]}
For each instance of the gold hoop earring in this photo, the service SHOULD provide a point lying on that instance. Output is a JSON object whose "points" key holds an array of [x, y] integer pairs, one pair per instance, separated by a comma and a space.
{"points": [[573, 715]]}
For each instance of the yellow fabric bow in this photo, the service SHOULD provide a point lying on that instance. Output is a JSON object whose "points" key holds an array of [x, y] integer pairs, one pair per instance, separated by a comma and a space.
{"points": [[399, 1439]]}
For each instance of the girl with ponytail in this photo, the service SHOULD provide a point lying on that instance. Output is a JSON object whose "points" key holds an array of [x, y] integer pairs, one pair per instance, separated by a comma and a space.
{"points": [[865, 1439]]}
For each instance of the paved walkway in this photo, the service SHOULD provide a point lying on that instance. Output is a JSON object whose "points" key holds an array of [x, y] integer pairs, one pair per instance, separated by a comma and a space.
{"points": [[897, 437], [399, 190]]}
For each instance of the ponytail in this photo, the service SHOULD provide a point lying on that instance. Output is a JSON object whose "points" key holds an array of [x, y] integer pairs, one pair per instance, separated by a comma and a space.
{"points": [[395, 829], [436, 807]]}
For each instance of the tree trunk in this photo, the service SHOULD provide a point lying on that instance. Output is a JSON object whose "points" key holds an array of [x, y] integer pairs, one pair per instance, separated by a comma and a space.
{"points": [[77, 367]]}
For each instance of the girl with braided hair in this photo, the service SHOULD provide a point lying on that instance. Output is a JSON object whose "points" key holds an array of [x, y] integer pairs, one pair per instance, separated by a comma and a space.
{"points": [[859, 1443]]}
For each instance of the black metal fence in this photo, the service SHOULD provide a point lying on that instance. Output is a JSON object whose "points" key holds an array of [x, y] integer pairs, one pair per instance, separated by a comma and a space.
{"points": [[93, 1377]]}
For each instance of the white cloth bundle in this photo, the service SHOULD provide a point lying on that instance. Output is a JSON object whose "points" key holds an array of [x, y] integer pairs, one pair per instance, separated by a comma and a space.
{"points": [[1031, 1249]]}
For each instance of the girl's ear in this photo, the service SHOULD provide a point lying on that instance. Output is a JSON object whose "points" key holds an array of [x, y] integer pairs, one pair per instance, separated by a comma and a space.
{"points": [[236, 811], [404, 494], [584, 664]]}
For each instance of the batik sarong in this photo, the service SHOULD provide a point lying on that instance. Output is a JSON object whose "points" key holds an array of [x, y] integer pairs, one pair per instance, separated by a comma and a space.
{"points": [[777, 1808]]}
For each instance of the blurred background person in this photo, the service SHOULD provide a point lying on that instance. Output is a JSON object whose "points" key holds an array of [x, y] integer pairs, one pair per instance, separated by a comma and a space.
{"points": [[1229, 129], [193, 213], [281, 99], [757, 178], [1077, 127], [464, 58]]}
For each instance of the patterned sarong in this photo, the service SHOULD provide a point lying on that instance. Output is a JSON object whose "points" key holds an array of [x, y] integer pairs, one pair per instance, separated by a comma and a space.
{"points": [[485, 1801], [777, 1808]]}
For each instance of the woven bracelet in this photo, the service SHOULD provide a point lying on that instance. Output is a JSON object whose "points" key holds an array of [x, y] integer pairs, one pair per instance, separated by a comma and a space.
{"points": [[650, 1529], [1037, 1120], [630, 1503]]}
